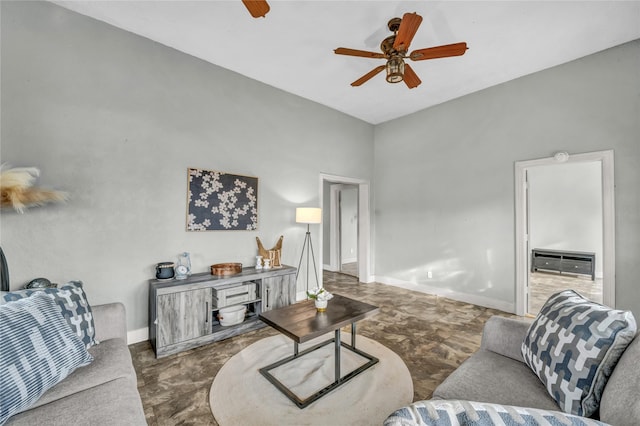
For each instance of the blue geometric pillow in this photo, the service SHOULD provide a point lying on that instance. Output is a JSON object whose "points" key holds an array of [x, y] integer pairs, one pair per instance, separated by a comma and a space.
{"points": [[440, 412], [74, 307], [573, 346], [37, 350]]}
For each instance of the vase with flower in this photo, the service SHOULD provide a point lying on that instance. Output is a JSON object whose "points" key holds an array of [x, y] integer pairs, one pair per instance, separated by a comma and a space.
{"points": [[321, 297]]}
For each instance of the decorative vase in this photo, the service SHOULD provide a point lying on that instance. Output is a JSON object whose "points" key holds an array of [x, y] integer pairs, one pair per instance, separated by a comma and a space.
{"points": [[321, 305], [165, 271]]}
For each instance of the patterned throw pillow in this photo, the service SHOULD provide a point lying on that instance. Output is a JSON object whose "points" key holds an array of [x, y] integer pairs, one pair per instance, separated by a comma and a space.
{"points": [[74, 307], [37, 351], [573, 346], [471, 413]]}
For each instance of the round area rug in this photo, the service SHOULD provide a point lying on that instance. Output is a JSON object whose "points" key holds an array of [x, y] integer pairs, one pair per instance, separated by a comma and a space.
{"points": [[240, 395]]}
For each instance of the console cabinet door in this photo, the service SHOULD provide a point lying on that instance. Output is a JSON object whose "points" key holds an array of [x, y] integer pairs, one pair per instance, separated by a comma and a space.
{"points": [[183, 315], [278, 291]]}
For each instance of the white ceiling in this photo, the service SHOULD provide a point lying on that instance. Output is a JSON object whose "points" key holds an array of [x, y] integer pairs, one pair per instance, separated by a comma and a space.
{"points": [[292, 47]]}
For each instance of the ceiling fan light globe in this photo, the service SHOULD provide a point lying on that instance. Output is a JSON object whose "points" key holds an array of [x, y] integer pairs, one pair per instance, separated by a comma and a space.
{"points": [[394, 78], [395, 70]]}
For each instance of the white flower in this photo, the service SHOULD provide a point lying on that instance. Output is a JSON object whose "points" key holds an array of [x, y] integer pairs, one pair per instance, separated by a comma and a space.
{"points": [[319, 293], [201, 203]]}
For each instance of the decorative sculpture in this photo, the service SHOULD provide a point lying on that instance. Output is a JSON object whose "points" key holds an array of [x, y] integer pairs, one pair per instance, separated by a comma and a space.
{"points": [[274, 254]]}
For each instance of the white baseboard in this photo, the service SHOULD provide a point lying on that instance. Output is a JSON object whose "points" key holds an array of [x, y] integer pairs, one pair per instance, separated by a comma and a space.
{"points": [[329, 268], [136, 336], [368, 280], [450, 294], [350, 260]]}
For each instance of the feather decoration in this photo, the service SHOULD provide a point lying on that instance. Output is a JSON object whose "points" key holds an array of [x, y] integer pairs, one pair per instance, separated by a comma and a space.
{"points": [[17, 190]]}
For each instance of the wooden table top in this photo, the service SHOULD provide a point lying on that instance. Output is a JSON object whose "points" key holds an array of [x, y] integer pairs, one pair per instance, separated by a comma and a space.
{"points": [[301, 321]]}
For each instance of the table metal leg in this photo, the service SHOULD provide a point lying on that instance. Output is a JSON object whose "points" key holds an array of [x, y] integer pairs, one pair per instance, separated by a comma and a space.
{"points": [[337, 356], [353, 335], [302, 403]]}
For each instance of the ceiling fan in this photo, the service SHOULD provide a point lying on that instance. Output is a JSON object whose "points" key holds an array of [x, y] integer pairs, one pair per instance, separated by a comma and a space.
{"points": [[394, 50], [257, 8]]}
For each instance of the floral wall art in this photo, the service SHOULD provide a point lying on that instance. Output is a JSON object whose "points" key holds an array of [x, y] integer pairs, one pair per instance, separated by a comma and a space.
{"points": [[221, 201]]}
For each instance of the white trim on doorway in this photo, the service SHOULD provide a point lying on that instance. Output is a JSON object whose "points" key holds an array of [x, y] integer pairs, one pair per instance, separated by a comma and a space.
{"points": [[608, 219], [364, 223]]}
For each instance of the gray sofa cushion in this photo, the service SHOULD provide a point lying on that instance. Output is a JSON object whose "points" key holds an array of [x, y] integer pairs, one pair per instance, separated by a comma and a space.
{"points": [[490, 377], [620, 404], [115, 403], [112, 361], [110, 321], [504, 336]]}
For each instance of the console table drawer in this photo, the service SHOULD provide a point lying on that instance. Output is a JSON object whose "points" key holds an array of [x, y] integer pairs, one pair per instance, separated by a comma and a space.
{"points": [[576, 267], [234, 295], [547, 263]]}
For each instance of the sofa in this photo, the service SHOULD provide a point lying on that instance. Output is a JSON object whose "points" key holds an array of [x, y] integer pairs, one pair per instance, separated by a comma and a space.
{"points": [[101, 393], [496, 380]]}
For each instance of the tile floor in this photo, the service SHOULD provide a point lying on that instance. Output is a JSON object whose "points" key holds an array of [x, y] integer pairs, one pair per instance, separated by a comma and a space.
{"points": [[544, 284]]}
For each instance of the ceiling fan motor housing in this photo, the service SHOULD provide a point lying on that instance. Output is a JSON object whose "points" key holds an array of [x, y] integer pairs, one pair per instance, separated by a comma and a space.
{"points": [[394, 24], [387, 46]]}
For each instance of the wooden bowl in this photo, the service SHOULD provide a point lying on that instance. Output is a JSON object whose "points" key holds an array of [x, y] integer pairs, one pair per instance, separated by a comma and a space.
{"points": [[226, 268]]}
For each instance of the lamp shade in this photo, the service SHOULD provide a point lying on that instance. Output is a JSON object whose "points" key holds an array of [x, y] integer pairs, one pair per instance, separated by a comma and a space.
{"points": [[308, 215]]}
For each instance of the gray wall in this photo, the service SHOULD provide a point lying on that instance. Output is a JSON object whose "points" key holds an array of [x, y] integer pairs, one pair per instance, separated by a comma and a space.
{"points": [[116, 120], [444, 191], [565, 208]]}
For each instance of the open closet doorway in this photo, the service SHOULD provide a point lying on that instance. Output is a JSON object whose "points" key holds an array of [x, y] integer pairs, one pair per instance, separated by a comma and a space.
{"points": [[564, 229], [345, 227]]}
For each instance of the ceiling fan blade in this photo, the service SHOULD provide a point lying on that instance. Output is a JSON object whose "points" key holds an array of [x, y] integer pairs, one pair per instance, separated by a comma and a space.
{"points": [[408, 28], [368, 76], [355, 52], [445, 51], [410, 77], [257, 8]]}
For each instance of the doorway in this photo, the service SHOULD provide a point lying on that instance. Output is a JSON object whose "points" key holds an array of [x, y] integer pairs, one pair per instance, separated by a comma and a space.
{"points": [[346, 226], [343, 241], [544, 227]]}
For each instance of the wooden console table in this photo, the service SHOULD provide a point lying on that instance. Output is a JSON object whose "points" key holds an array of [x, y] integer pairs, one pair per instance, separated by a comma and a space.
{"points": [[183, 314], [564, 262]]}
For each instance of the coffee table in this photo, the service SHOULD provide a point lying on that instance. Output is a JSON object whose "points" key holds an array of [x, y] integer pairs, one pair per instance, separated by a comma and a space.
{"points": [[301, 322]]}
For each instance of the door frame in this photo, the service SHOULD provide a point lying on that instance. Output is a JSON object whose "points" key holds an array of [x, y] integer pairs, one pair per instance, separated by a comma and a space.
{"points": [[608, 221], [364, 223]]}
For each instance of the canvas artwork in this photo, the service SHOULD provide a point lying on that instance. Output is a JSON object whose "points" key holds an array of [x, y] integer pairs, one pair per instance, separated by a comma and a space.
{"points": [[221, 201]]}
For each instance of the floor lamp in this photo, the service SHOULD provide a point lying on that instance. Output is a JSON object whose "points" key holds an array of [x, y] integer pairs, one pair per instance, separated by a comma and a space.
{"points": [[308, 215]]}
